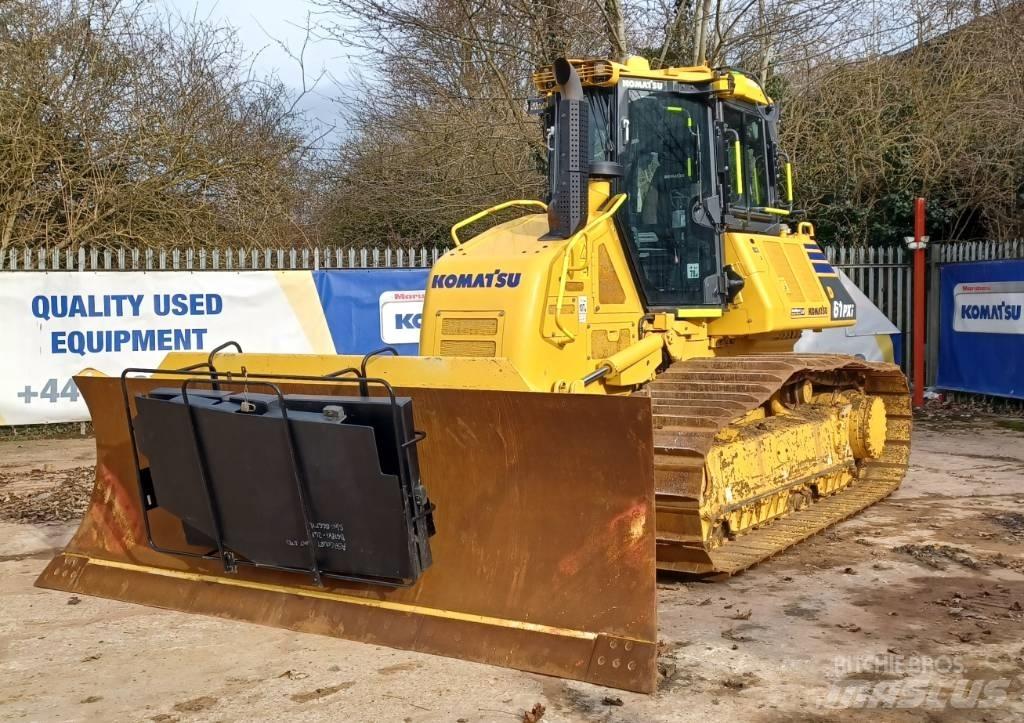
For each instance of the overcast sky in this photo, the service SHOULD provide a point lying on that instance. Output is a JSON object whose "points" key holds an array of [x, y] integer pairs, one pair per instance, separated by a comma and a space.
{"points": [[259, 24]]}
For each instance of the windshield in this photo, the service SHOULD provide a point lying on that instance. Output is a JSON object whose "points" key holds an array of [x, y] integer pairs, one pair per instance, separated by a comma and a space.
{"points": [[667, 178]]}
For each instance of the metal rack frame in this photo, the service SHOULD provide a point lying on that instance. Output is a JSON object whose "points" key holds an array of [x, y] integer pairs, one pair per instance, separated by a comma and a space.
{"points": [[416, 509]]}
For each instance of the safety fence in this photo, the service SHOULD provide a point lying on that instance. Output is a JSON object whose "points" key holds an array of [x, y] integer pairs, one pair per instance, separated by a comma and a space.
{"points": [[217, 259], [875, 270], [882, 273]]}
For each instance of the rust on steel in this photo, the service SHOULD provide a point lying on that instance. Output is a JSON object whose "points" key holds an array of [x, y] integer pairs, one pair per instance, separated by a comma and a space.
{"points": [[544, 558]]}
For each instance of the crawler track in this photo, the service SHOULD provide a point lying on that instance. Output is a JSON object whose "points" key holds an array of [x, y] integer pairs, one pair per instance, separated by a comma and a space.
{"points": [[693, 400]]}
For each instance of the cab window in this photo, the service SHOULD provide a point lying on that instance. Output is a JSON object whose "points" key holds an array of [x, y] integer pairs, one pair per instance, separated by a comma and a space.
{"points": [[749, 182], [667, 178]]}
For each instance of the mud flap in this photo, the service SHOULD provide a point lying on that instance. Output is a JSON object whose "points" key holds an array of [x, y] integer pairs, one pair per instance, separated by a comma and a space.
{"points": [[543, 560]]}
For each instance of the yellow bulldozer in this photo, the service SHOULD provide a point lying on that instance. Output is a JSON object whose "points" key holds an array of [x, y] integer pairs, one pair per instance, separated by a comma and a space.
{"points": [[606, 390]]}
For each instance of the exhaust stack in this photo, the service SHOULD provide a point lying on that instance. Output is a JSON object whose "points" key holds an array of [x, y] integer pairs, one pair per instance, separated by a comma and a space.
{"points": [[567, 212]]}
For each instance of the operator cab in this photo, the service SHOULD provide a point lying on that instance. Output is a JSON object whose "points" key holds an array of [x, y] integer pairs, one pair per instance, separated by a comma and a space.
{"points": [[667, 179], [693, 165]]}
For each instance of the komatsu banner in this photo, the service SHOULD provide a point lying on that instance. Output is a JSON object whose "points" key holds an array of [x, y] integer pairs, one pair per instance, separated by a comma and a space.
{"points": [[981, 340], [53, 325], [366, 309]]}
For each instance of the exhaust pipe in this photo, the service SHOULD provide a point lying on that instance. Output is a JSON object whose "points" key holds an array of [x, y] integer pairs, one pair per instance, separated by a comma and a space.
{"points": [[567, 212]]}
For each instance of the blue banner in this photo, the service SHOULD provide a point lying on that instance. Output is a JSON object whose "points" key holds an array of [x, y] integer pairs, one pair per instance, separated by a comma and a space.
{"points": [[371, 308], [981, 335]]}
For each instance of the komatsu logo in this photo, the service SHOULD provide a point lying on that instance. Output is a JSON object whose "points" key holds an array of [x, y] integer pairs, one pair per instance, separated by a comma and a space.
{"points": [[993, 308], [643, 84], [496, 280], [999, 312], [408, 321]]}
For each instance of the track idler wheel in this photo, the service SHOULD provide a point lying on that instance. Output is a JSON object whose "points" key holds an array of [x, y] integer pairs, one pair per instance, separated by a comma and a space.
{"points": [[867, 426]]}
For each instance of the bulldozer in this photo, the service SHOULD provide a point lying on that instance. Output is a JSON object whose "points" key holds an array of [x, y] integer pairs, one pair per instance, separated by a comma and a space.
{"points": [[606, 390]]}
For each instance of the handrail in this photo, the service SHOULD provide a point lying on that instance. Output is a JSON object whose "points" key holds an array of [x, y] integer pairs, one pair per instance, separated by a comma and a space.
{"points": [[493, 209], [610, 209]]}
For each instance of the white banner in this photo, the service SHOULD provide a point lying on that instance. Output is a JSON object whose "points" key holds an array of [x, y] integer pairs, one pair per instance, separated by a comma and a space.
{"points": [[990, 308], [53, 325], [401, 316]]}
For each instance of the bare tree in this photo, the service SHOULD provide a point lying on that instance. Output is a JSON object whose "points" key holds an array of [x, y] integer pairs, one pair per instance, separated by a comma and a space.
{"points": [[700, 42], [616, 22], [121, 125], [438, 126]]}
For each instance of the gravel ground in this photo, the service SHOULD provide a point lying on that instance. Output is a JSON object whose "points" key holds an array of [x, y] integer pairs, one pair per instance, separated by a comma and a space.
{"points": [[911, 611], [45, 496]]}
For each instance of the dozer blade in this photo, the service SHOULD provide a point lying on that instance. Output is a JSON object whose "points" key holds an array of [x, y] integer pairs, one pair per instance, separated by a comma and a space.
{"points": [[778, 486], [543, 558]]}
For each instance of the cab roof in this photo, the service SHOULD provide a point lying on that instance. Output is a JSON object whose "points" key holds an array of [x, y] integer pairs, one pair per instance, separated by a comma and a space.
{"points": [[726, 83]]}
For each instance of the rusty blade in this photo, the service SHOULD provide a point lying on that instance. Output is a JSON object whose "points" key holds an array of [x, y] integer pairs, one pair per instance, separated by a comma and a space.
{"points": [[544, 558]]}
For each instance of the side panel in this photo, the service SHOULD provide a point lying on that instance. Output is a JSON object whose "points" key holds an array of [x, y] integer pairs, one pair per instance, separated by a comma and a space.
{"points": [[544, 557], [788, 285], [497, 296]]}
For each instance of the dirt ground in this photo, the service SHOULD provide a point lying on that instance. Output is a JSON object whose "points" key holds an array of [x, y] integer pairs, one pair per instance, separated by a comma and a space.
{"points": [[911, 611]]}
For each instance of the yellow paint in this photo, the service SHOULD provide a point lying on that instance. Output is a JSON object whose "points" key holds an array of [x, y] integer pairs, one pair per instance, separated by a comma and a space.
{"points": [[581, 236], [638, 64], [514, 308], [726, 84], [737, 153], [487, 212], [426, 372], [867, 422], [556, 309], [300, 291], [764, 466], [734, 85], [545, 324], [337, 597], [884, 342], [701, 312], [780, 288], [539, 314], [636, 363]]}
